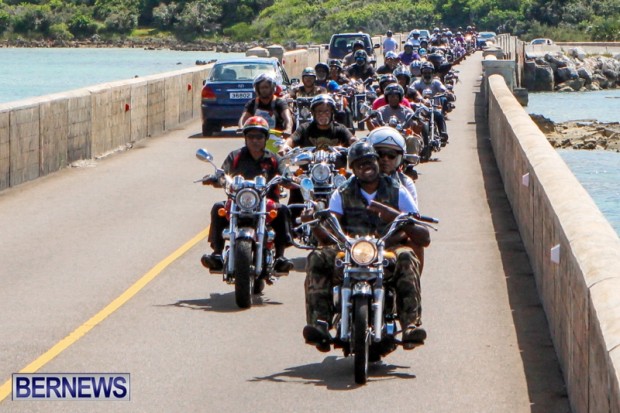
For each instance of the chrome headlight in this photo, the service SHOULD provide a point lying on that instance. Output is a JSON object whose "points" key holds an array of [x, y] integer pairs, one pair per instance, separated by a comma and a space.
{"points": [[320, 173], [247, 199], [364, 252]]}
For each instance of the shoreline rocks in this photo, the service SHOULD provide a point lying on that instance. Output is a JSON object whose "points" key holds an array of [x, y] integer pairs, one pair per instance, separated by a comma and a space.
{"points": [[583, 134], [570, 72]]}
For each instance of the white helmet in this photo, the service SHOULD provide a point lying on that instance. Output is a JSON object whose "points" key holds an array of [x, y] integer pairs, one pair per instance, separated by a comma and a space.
{"points": [[389, 138]]}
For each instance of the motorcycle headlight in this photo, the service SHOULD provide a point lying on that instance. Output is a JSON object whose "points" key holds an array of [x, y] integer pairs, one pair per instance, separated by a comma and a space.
{"points": [[364, 252], [320, 173], [305, 112], [247, 199]]}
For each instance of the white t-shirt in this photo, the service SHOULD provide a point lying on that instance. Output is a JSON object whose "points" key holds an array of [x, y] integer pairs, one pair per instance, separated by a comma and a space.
{"points": [[389, 45], [405, 201]]}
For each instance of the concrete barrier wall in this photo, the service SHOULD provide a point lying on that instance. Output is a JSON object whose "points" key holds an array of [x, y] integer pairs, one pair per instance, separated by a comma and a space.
{"points": [[574, 252], [42, 135]]}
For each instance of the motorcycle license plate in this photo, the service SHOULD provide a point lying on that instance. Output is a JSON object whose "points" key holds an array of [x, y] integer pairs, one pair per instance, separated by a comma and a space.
{"points": [[241, 95]]}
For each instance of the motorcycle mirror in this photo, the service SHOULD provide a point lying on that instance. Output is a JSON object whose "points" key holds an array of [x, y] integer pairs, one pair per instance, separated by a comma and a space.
{"points": [[307, 188], [303, 158], [204, 155]]}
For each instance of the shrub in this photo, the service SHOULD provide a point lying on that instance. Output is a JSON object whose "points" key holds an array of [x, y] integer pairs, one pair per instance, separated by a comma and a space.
{"points": [[60, 31]]}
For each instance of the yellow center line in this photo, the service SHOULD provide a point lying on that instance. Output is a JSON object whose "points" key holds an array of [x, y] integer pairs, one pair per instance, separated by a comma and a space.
{"points": [[6, 389]]}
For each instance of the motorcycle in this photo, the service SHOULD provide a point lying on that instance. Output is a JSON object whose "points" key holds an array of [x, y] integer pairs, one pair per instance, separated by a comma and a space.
{"points": [[362, 95], [301, 110], [317, 167], [249, 253], [366, 310], [427, 111]]}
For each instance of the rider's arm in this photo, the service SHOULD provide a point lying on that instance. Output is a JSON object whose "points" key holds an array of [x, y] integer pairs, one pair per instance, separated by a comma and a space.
{"points": [[287, 121]]}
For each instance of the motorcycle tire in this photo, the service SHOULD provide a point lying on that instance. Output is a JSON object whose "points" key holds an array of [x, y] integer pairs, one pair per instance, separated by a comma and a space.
{"points": [[361, 339], [244, 279]]}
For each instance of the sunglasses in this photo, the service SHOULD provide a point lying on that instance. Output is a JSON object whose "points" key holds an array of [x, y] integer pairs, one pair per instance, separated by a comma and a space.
{"points": [[387, 154]]}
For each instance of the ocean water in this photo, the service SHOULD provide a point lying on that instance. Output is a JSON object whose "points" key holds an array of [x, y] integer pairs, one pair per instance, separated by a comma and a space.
{"points": [[30, 72], [603, 105], [598, 171]]}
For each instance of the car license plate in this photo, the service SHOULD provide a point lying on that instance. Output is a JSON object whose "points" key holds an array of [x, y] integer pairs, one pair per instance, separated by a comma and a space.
{"points": [[241, 95]]}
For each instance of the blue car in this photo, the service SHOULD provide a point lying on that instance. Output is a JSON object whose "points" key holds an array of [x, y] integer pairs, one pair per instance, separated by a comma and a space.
{"points": [[230, 86]]}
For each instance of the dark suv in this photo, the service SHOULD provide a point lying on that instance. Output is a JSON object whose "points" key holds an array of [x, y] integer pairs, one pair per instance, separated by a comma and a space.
{"points": [[342, 43]]}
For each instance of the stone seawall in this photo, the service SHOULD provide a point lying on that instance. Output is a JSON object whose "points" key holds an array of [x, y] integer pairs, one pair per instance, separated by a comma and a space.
{"points": [[574, 252]]}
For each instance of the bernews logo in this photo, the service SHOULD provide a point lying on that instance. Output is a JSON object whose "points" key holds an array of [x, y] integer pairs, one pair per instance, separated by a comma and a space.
{"points": [[71, 386]]}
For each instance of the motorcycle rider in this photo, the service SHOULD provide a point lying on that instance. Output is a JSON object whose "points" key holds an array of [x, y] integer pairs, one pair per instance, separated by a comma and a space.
{"points": [[361, 69], [408, 55], [391, 62], [364, 205], [384, 81], [268, 106], [322, 71], [349, 59], [250, 161], [389, 44], [394, 95], [308, 87], [427, 82], [336, 73], [322, 126]]}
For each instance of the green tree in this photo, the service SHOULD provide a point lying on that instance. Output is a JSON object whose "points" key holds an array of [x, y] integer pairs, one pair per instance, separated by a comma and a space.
{"points": [[82, 26], [198, 17]]}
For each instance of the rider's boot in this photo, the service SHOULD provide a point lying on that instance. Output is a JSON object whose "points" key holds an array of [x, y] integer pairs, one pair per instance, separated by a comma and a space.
{"points": [[214, 261], [413, 336], [318, 335]]}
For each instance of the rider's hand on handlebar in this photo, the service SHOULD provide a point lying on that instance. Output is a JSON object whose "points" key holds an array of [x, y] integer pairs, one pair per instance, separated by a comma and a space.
{"points": [[307, 215], [284, 149], [209, 180]]}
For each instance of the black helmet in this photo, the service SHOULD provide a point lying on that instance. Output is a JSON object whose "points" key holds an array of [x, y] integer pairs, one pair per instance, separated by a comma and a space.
{"points": [[321, 66], [337, 63], [321, 99], [394, 89], [264, 77], [360, 150], [309, 71], [358, 43], [403, 71], [386, 79]]}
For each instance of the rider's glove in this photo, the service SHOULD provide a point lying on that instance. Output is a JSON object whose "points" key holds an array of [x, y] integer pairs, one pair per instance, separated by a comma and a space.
{"points": [[209, 180]]}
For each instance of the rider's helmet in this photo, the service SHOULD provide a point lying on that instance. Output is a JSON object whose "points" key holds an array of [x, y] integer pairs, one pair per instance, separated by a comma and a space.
{"points": [[436, 30], [361, 150], [427, 67], [449, 33], [386, 79], [321, 67], [408, 43], [258, 123], [321, 99], [264, 77], [336, 63], [394, 89], [415, 66], [333, 86], [388, 138], [415, 32], [391, 55], [402, 71], [309, 71], [358, 45], [422, 52], [360, 57]]}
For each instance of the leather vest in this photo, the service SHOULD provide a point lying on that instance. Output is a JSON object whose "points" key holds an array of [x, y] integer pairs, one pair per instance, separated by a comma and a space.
{"points": [[356, 219]]}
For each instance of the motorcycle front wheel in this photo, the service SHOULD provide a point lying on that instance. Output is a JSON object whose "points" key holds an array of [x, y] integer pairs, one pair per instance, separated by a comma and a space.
{"points": [[244, 279], [361, 339]]}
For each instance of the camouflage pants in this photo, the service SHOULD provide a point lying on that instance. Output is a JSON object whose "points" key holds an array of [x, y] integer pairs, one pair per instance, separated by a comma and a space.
{"points": [[322, 275]]}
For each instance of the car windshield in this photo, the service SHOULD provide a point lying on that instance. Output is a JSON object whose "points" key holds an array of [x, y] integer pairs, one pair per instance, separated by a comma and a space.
{"points": [[345, 44], [229, 72], [486, 35]]}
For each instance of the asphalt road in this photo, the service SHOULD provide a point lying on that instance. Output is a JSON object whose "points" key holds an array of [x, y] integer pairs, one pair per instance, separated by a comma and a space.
{"points": [[73, 242]]}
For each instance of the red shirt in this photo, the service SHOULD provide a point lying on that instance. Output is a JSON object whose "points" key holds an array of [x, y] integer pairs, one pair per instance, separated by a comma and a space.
{"points": [[381, 102]]}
